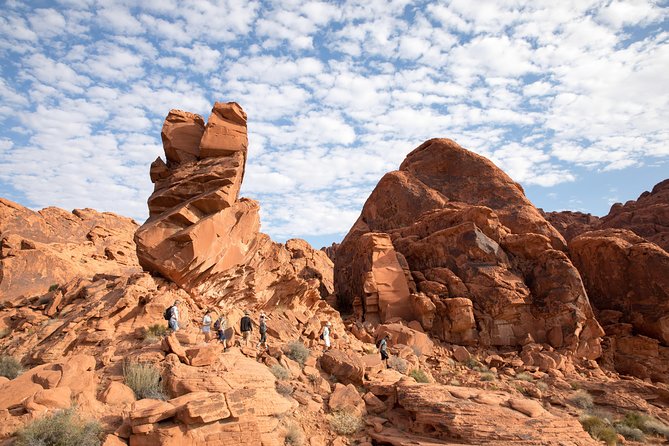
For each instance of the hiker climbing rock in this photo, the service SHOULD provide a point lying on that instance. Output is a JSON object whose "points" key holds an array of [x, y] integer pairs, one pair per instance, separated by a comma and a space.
{"points": [[383, 349], [220, 325], [246, 326], [325, 336], [206, 326], [172, 316], [262, 328]]}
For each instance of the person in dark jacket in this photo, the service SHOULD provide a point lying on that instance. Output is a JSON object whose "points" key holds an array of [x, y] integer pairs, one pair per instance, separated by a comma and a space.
{"points": [[383, 349], [246, 327]]}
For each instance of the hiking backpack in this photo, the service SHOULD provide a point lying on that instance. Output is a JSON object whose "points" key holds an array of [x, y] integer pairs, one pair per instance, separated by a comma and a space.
{"points": [[168, 313]]}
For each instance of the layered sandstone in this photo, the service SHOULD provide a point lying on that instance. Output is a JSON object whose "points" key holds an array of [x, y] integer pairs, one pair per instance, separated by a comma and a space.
{"points": [[452, 242], [205, 238], [48, 248]]}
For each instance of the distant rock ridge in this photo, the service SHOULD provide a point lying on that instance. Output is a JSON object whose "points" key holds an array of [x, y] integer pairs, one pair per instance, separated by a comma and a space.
{"points": [[647, 217], [45, 249], [202, 235], [450, 241]]}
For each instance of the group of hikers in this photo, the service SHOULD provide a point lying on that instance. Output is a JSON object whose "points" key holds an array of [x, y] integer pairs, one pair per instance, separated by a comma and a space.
{"points": [[220, 325]]}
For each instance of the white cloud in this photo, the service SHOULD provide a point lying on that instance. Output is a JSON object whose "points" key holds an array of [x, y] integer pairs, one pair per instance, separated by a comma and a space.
{"points": [[336, 93]]}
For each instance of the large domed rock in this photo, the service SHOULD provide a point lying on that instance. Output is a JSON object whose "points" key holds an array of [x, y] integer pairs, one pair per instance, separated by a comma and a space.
{"points": [[450, 224]]}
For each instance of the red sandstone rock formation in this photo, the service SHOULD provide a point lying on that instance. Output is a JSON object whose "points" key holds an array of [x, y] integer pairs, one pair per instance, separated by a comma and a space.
{"points": [[205, 238], [447, 225], [571, 224], [647, 217], [53, 246], [627, 278]]}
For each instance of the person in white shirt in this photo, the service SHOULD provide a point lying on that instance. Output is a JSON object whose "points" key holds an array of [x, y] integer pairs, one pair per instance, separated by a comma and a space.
{"points": [[326, 336], [206, 326], [174, 319]]}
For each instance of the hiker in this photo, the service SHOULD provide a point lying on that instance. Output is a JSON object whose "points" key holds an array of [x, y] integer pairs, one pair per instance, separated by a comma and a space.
{"points": [[172, 316], [325, 336], [220, 325], [206, 326], [246, 326], [262, 328], [383, 349]]}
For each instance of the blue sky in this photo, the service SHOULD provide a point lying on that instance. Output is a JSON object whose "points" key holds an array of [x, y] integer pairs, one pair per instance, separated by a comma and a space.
{"points": [[570, 98]]}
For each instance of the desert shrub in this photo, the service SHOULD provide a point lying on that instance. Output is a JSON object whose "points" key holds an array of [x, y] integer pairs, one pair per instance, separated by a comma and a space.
{"points": [[369, 349], [294, 435], [4, 332], [297, 351], [599, 429], [144, 379], [284, 388], [420, 376], [646, 424], [416, 350], [656, 427], [9, 367], [399, 364], [62, 428], [53, 287], [524, 376], [154, 332], [488, 376], [542, 386], [472, 362], [630, 433], [582, 399], [279, 372], [345, 423], [455, 382]]}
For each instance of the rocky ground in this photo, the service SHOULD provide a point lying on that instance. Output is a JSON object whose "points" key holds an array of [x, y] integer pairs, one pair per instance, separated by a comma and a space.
{"points": [[508, 326]]}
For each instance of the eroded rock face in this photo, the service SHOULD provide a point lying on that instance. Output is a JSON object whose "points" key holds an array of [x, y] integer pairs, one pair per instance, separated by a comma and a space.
{"points": [[205, 238], [449, 224], [627, 278], [52, 247], [647, 217]]}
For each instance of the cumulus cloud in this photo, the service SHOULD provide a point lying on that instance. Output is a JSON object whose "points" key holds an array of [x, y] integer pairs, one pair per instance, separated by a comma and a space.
{"points": [[336, 93]]}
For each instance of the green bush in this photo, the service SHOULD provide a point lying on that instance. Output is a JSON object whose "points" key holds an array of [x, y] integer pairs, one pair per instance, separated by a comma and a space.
{"points": [[144, 379], [398, 364], [472, 363], [582, 399], [53, 287], [9, 367], [4, 332], [280, 372], [61, 428], [345, 423], [599, 429], [297, 351], [420, 376], [541, 385], [154, 332]]}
